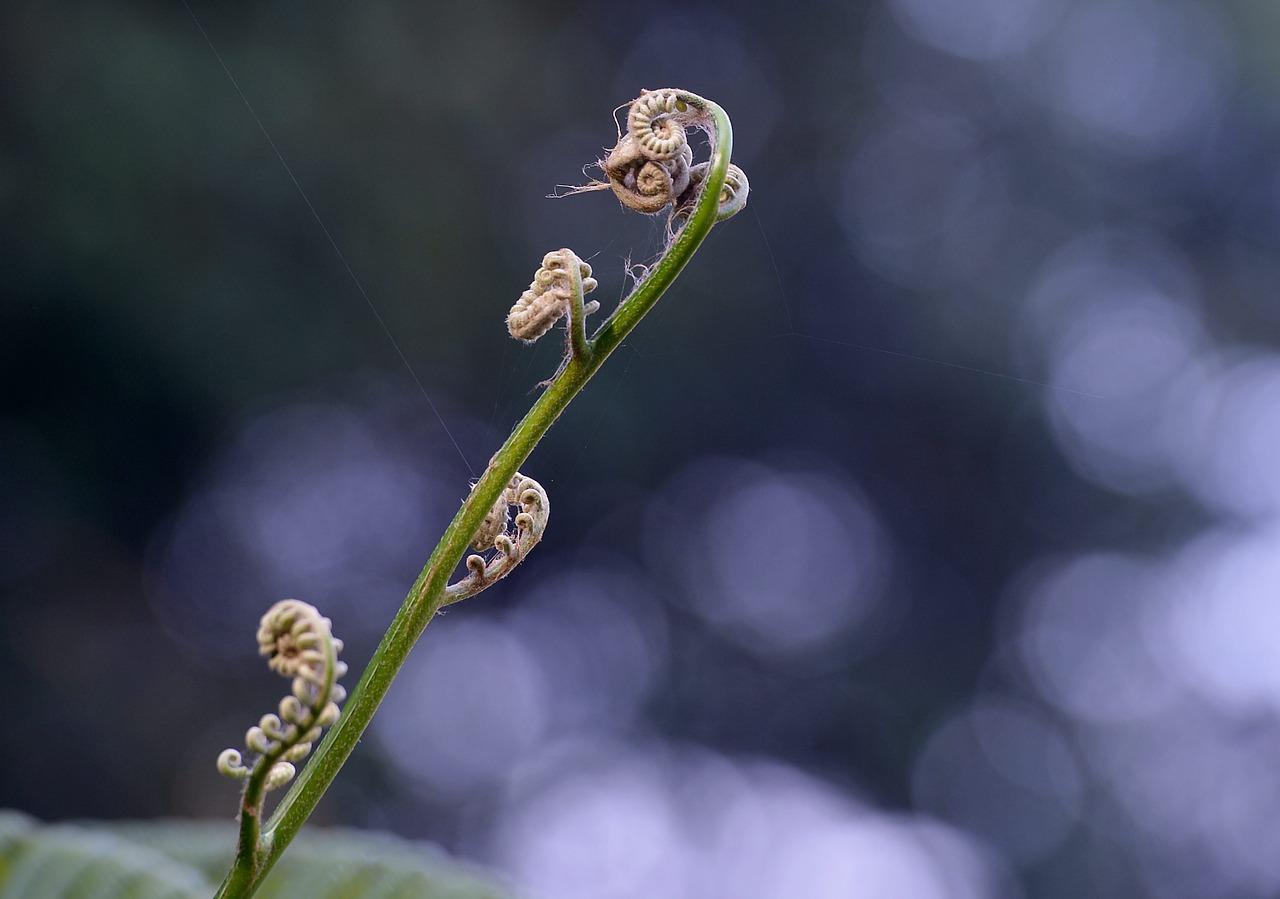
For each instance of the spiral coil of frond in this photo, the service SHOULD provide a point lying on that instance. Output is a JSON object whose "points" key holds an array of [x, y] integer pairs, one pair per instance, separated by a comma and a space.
{"points": [[496, 534], [550, 296], [299, 644], [733, 196], [652, 167]]}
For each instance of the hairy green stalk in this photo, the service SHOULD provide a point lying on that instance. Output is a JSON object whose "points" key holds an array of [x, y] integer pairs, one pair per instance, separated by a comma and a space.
{"points": [[261, 844]]}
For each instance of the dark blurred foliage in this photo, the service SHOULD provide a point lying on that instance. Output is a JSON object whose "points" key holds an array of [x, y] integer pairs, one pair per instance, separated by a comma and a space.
{"points": [[907, 515]]}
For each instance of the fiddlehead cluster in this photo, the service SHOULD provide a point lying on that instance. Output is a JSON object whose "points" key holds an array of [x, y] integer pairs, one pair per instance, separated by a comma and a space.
{"points": [[298, 644], [495, 533], [652, 164], [649, 168]]}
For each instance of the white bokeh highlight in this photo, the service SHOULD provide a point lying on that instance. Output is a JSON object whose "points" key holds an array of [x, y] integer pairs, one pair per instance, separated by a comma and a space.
{"points": [[1005, 771], [1112, 375], [1084, 640], [978, 29], [1165, 670], [620, 822], [461, 715], [925, 204], [1223, 617], [331, 503], [1139, 76], [1223, 431], [776, 561], [599, 635]]}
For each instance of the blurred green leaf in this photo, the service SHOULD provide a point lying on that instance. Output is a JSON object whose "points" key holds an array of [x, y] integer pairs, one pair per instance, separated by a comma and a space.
{"points": [[181, 859], [57, 861]]}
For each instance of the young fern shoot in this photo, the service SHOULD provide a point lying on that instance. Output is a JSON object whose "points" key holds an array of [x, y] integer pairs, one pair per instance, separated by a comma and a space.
{"points": [[650, 169], [299, 644], [557, 290], [525, 494], [652, 165]]}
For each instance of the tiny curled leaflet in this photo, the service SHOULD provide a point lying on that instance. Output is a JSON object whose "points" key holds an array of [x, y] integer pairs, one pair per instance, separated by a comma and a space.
{"points": [[733, 195], [550, 295], [650, 123], [299, 644], [495, 534]]}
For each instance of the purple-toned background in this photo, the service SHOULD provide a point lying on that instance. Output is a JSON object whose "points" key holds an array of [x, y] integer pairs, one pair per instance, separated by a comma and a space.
{"points": [[925, 542]]}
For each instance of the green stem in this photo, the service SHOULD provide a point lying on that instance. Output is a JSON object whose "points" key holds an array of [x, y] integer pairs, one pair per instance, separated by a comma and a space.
{"points": [[427, 593], [578, 345], [240, 878]]}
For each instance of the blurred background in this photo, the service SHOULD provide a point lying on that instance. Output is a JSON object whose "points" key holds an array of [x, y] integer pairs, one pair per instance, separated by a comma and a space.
{"points": [[922, 543]]}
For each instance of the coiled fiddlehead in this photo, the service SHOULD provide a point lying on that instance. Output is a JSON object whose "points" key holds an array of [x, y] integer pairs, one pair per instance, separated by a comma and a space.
{"points": [[645, 182], [652, 124], [298, 644], [550, 296], [733, 195], [652, 164], [495, 533]]}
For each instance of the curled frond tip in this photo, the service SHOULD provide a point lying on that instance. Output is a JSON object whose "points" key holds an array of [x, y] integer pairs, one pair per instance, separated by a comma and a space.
{"points": [[550, 295], [298, 643], [496, 534], [652, 166]]}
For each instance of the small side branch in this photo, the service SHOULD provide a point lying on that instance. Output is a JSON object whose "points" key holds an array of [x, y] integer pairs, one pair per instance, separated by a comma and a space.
{"points": [[299, 644], [557, 290], [530, 523]]}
